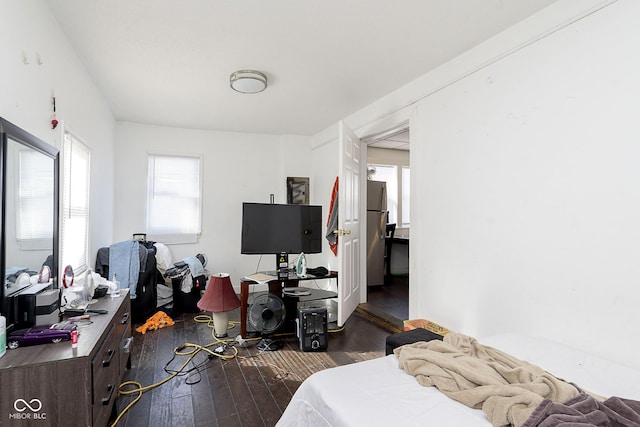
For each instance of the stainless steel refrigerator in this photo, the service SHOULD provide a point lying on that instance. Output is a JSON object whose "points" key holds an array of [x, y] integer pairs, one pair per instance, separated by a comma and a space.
{"points": [[376, 231]]}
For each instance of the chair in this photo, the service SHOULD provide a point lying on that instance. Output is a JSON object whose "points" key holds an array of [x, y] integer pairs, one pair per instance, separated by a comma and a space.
{"points": [[391, 231]]}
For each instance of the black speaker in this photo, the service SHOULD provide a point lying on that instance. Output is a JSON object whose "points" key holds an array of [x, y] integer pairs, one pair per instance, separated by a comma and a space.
{"points": [[282, 265], [311, 328]]}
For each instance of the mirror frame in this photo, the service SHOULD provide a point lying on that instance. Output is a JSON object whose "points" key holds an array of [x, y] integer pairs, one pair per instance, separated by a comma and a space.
{"points": [[10, 131]]}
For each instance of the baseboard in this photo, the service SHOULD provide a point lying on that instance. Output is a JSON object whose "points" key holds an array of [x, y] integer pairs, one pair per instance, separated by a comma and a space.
{"points": [[382, 319]]}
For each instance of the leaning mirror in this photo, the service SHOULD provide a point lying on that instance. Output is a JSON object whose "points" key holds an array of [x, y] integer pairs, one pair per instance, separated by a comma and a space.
{"points": [[30, 215]]}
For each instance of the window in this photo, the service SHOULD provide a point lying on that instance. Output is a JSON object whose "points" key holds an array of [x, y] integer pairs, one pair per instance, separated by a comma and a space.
{"points": [[406, 196], [76, 179], [35, 190], [174, 201], [388, 174]]}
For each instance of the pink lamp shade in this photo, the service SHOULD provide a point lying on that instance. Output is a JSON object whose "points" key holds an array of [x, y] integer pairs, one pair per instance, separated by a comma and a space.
{"points": [[219, 295], [219, 298]]}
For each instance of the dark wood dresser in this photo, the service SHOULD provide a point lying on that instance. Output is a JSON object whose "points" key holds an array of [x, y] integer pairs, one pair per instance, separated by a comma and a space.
{"points": [[56, 385]]}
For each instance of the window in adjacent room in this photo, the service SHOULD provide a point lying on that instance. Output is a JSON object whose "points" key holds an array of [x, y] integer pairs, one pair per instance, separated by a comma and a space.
{"points": [[388, 174], [406, 196], [76, 182], [174, 199]]}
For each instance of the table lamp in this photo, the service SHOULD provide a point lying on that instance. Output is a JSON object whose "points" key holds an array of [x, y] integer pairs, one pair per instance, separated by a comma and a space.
{"points": [[219, 298]]}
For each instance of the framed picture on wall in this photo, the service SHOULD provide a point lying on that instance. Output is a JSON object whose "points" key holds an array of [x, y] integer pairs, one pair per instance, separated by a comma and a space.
{"points": [[298, 190]]}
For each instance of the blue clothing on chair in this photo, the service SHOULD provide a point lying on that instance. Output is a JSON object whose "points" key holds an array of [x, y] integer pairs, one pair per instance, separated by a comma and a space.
{"points": [[124, 262]]}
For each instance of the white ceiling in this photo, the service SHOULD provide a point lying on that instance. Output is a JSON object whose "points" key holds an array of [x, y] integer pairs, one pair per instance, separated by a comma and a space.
{"points": [[168, 62], [396, 141]]}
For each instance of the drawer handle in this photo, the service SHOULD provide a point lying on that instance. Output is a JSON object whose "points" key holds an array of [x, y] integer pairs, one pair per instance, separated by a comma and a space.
{"points": [[106, 400], [127, 345], [125, 318], [106, 362]]}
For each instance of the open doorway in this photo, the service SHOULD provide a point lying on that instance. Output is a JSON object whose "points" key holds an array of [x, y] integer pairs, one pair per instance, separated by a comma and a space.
{"points": [[388, 269]]}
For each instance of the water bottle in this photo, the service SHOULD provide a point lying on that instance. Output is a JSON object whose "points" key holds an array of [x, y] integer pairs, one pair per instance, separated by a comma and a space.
{"points": [[115, 291], [3, 336]]}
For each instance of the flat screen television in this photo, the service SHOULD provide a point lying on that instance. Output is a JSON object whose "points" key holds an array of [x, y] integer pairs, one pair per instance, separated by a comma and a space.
{"points": [[269, 228]]}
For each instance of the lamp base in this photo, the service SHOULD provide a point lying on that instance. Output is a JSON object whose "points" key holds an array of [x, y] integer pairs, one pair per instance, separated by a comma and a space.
{"points": [[220, 324]]}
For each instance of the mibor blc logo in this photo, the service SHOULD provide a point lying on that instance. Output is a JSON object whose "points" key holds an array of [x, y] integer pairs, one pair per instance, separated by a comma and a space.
{"points": [[28, 410]]}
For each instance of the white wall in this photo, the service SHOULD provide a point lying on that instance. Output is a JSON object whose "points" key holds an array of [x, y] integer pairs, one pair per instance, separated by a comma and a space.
{"points": [[30, 34], [237, 167], [325, 169], [388, 156], [528, 191], [524, 184], [523, 155]]}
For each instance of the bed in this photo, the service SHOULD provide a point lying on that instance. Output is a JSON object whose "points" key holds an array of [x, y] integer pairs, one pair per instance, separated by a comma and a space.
{"points": [[378, 393]]}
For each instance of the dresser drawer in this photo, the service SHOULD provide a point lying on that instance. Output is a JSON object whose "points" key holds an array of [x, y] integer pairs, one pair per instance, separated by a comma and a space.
{"points": [[123, 331], [106, 377]]}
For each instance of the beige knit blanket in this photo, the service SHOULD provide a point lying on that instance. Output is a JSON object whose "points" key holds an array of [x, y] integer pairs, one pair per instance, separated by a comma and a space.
{"points": [[481, 377]]}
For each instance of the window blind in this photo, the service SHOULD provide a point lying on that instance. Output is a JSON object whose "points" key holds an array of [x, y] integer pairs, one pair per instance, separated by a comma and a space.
{"points": [[34, 224], [174, 199], [75, 203]]}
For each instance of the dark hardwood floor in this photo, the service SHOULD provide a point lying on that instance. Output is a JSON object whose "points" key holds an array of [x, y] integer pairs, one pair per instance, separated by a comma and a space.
{"points": [[251, 389], [390, 300]]}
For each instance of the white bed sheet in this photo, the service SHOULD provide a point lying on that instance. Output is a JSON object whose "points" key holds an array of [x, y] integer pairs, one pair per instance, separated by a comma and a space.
{"points": [[378, 393], [592, 373]]}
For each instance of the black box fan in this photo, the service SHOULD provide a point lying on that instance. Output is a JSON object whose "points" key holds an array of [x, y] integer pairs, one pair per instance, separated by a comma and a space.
{"points": [[266, 315]]}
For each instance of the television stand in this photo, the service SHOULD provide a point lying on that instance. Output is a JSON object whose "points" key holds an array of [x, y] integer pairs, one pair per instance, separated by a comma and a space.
{"points": [[275, 287]]}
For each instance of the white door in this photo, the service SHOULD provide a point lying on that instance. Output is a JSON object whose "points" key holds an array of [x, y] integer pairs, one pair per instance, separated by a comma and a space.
{"points": [[350, 252]]}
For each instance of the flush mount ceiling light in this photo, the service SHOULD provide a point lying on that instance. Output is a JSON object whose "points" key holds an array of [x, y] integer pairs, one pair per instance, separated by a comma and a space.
{"points": [[248, 81]]}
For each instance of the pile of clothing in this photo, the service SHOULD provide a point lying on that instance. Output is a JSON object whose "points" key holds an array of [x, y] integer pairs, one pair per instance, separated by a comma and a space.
{"points": [[189, 278], [188, 269]]}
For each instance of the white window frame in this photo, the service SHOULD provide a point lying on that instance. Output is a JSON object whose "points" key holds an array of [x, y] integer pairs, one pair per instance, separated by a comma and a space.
{"points": [[174, 198], [75, 206], [405, 203]]}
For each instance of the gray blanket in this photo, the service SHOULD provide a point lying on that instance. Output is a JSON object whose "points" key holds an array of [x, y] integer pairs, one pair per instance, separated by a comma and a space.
{"points": [[505, 388], [585, 411]]}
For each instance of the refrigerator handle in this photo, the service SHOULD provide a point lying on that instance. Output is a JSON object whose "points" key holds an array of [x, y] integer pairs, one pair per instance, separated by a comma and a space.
{"points": [[383, 200], [383, 226]]}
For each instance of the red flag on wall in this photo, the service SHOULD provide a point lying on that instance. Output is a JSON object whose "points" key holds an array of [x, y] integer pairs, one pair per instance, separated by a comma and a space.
{"points": [[332, 220]]}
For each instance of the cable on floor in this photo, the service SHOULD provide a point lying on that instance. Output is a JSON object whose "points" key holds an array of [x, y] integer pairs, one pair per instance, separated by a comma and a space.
{"points": [[191, 350], [188, 350]]}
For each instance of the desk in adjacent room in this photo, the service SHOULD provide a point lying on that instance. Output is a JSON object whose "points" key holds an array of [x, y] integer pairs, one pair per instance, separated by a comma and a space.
{"points": [[275, 287]]}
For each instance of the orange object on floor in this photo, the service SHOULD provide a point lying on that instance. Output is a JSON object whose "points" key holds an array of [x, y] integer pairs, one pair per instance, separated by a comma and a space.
{"points": [[157, 321]]}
